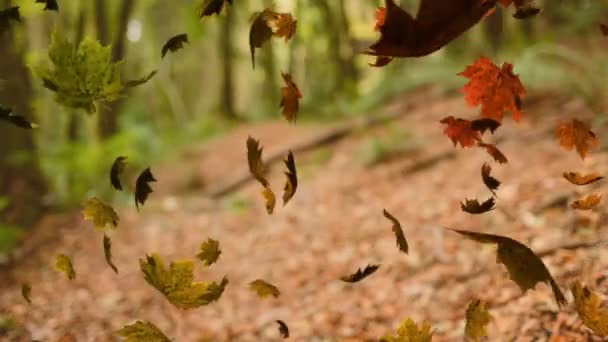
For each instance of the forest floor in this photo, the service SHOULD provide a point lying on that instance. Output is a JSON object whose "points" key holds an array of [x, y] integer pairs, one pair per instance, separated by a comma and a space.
{"points": [[333, 226]]}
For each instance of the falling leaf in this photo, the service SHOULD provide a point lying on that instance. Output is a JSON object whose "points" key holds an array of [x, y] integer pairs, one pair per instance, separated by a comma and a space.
{"points": [[408, 331], [63, 264], [100, 213], [494, 152], [269, 199], [580, 179], [174, 44], [576, 134], [436, 24], [589, 307], [483, 124], [491, 182], [360, 274], [142, 187], [460, 131], [285, 26], [140, 81], [209, 251], [473, 206], [177, 285], [496, 89], [259, 33], [7, 114], [254, 158], [525, 268], [292, 178], [107, 251], [142, 331], [477, 318], [526, 12], [7, 15], [49, 5], [604, 29], [283, 328], [381, 61], [213, 7], [587, 203], [290, 96], [26, 292], [117, 168], [264, 289], [398, 231]]}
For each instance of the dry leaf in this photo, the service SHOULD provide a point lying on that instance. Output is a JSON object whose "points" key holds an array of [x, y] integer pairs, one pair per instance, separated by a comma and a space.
{"points": [[213, 7], [264, 289], [360, 274], [107, 251], [491, 182], [142, 187], [174, 44], [142, 331], [477, 318], [589, 308], [290, 96], [576, 134], [408, 331], [483, 124], [270, 200], [494, 152], [209, 251], [285, 25], [580, 179], [260, 32], [283, 328], [117, 168], [292, 178], [254, 158], [460, 131], [398, 231], [474, 207], [100, 213], [525, 12], [587, 203], [7, 114], [525, 268], [63, 264], [26, 292]]}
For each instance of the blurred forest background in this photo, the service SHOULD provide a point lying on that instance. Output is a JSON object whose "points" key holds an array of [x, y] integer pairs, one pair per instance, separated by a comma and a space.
{"points": [[210, 87]]}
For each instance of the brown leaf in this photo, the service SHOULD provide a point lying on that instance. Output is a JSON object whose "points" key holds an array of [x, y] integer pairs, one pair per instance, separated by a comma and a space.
{"points": [[142, 187], [360, 274], [270, 199], [254, 159], [587, 203], [49, 5], [526, 11], [264, 289], [481, 125], [491, 182], [285, 25], [260, 32], [213, 7], [283, 328], [589, 308], [7, 114], [576, 134], [494, 152], [26, 292], [381, 61], [290, 96], [292, 178], [107, 251], [174, 43], [398, 231], [525, 268], [580, 179], [117, 168], [473, 206]]}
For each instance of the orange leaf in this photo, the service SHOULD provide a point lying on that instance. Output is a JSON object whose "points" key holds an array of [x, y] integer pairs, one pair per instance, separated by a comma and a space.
{"points": [[495, 89], [576, 134], [460, 131], [587, 203], [290, 95], [380, 17], [579, 179], [285, 25]]}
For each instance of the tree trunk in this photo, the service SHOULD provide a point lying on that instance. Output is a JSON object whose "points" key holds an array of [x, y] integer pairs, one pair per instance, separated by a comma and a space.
{"points": [[227, 105]]}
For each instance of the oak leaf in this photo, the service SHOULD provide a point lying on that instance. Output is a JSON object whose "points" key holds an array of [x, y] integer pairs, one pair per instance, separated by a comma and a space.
{"points": [[264, 289], [576, 134], [477, 318], [142, 331], [116, 170], [174, 43], [49, 5], [360, 274], [283, 328], [580, 179], [494, 152], [525, 268], [290, 97], [209, 251], [213, 7], [107, 251], [409, 331], [26, 292], [589, 307], [7, 114], [398, 231], [100, 213], [474, 207], [63, 264], [491, 182], [292, 178], [142, 187], [587, 203]]}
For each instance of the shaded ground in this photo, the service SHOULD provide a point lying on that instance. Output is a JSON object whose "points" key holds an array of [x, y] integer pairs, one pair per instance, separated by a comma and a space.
{"points": [[333, 226]]}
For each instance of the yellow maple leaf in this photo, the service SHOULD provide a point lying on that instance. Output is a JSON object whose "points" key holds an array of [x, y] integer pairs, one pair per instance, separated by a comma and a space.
{"points": [[142, 331], [477, 317], [209, 251], [589, 308], [408, 331], [100, 213], [264, 289]]}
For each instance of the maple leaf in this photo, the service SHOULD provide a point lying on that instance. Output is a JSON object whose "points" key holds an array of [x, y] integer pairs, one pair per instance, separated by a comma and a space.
{"points": [[576, 134], [174, 43], [292, 178], [7, 114], [474, 207], [100, 213], [436, 24], [360, 274], [63, 264], [491, 182], [408, 331], [380, 17], [7, 15], [285, 25], [525, 268], [290, 96], [587, 203], [589, 308], [49, 5], [254, 159], [477, 317], [213, 7], [264, 289], [283, 328], [142, 187], [580, 179], [398, 231], [460, 131], [117, 168], [209, 251], [494, 152], [495, 89], [107, 251], [142, 331], [177, 285], [26, 292]]}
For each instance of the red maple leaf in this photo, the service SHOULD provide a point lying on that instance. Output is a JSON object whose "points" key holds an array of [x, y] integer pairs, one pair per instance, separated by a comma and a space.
{"points": [[495, 89], [380, 17], [460, 131]]}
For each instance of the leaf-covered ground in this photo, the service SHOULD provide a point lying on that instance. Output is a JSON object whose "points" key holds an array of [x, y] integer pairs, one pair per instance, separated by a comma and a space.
{"points": [[330, 228]]}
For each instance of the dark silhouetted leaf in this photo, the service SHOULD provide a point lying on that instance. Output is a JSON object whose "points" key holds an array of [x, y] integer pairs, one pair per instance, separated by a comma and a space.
{"points": [[580, 179], [142, 187], [213, 7], [7, 15], [398, 231], [49, 5], [270, 200], [7, 114], [360, 274], [140, 81], [481, 125], [473, 206], [525, 12], [174, 44], [63, 264], [254, 159], [283, 328], [209, 251], [525, 268], [494, 152], [142, 331], [117, 168], [107, 251], [259, 33], [26, 292], [292, 178], [264, 289], [491, 182]]}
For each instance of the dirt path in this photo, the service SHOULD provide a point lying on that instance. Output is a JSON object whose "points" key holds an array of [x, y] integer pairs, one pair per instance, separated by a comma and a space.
{"points": [[333, 226]]}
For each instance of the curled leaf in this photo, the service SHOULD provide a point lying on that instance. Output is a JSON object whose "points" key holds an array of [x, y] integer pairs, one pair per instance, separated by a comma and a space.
{"points": [[270, 200], [213, 7], [26, 292], [408, 331], [264, 289], [209, 251], [107, 251], [398, 231], [285, 25], [525, 268], [140, 81], [49, 5], [7, 114], [580, 179], [292, 178], [589, 307], [174, 43], [474, 207], [142, 187], [142, 331], [259, 33], [283, 328], [100, 213], [576, 134], [491, 182], [587, 203], [254, 159], [477, 318], [63, 264], [483, 124], [494, 152], [117, 168], [290, 96], [360, 274]]}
